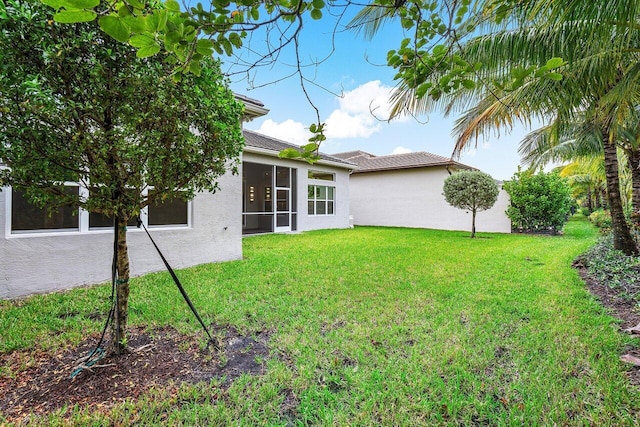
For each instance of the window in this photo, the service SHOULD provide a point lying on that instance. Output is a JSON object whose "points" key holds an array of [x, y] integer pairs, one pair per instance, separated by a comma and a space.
{"points": [[97, 220], [325, 176], [26, 217], [321, 200], [173, 211]]}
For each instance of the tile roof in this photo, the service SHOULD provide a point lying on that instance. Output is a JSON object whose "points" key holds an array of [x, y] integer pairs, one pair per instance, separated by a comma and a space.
{"points": [[256, 140], [356, 157], [371, 163]]}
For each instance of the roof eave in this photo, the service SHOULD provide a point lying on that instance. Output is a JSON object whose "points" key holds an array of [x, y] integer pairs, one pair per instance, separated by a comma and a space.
{"points": [[254, 111], [273, 153], [252, 107], [392, 168]]}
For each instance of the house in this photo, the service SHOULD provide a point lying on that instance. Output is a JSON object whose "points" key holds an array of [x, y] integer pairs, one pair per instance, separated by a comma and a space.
{"points": [[41, 253], [405, 190]]}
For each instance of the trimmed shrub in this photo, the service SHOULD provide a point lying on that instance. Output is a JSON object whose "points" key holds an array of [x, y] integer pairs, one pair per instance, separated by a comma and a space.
{"points": [[473, 191], [540, 202], [601, 219]]}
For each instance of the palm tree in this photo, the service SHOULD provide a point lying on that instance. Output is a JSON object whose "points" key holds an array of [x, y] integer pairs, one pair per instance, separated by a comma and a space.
{"points": [[587, 181], [597, 133], [631, 146], [599, 86]]}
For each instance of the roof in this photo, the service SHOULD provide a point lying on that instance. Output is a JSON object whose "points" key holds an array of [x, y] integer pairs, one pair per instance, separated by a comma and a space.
{"points": [[368, 162], [252, 107], [262, 142]]}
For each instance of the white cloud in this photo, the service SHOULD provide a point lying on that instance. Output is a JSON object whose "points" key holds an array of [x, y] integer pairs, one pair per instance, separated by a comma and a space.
{"points": [[360, 114], [342, 124], [360, 111], [401, 150], [288, 131]]}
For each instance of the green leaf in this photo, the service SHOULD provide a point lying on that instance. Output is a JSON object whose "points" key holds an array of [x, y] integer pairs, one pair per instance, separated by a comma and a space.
{"points": [[316, 14], [157, 21], [204, 47], [541, 71], [440, 50], [310, 147], [407, 23], [147, 51], [228, 49], [141, 41], [422, 90], [289, 153], [235, 40], [195, 67], [124, 12], [204, 43], [136, 4], [554, 76], [114, 27], [555, 63], [469, 84], [56, 4], [172, 37], [79, 4], [136, 24], [318, 4], [172, 6], [163, 16], [74, 16]]}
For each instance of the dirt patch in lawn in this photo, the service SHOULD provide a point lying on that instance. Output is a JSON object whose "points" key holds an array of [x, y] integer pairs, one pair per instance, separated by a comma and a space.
{"points": [[620, 307], [40, 383]]}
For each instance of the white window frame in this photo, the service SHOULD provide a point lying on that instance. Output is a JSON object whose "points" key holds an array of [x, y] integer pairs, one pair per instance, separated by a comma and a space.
{"points": [[38, 232], [327, 200], [320, 172], [83, 219], [144, 215]]}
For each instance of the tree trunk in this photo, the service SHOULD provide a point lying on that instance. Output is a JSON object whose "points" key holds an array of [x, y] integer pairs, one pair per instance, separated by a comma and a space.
{"points": [[622, 239], [473, 223], [119, 325], [589, 199], [634, 166]]}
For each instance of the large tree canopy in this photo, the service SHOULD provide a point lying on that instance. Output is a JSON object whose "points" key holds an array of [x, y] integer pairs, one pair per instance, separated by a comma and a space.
{"points": [[426, 58], [76, 106]]}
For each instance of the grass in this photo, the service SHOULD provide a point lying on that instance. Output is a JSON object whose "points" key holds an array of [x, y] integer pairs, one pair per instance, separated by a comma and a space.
{"points": [[376, 326]]}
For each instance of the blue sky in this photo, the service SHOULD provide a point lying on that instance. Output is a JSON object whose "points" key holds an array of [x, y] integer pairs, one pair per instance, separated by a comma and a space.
{"points": [[346, 87]]}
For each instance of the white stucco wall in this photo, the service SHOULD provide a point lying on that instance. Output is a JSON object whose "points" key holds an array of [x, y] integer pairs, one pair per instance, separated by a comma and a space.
{"points": [[413, 198], [308, 222], [42, 262]]}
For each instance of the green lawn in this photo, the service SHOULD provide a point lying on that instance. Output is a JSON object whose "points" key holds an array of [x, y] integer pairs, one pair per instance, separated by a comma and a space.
{"points": [[379, 326]]}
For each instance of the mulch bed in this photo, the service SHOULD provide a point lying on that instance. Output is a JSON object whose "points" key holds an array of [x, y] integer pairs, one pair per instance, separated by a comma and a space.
{"points": [[619, 307], [155, 358]]}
